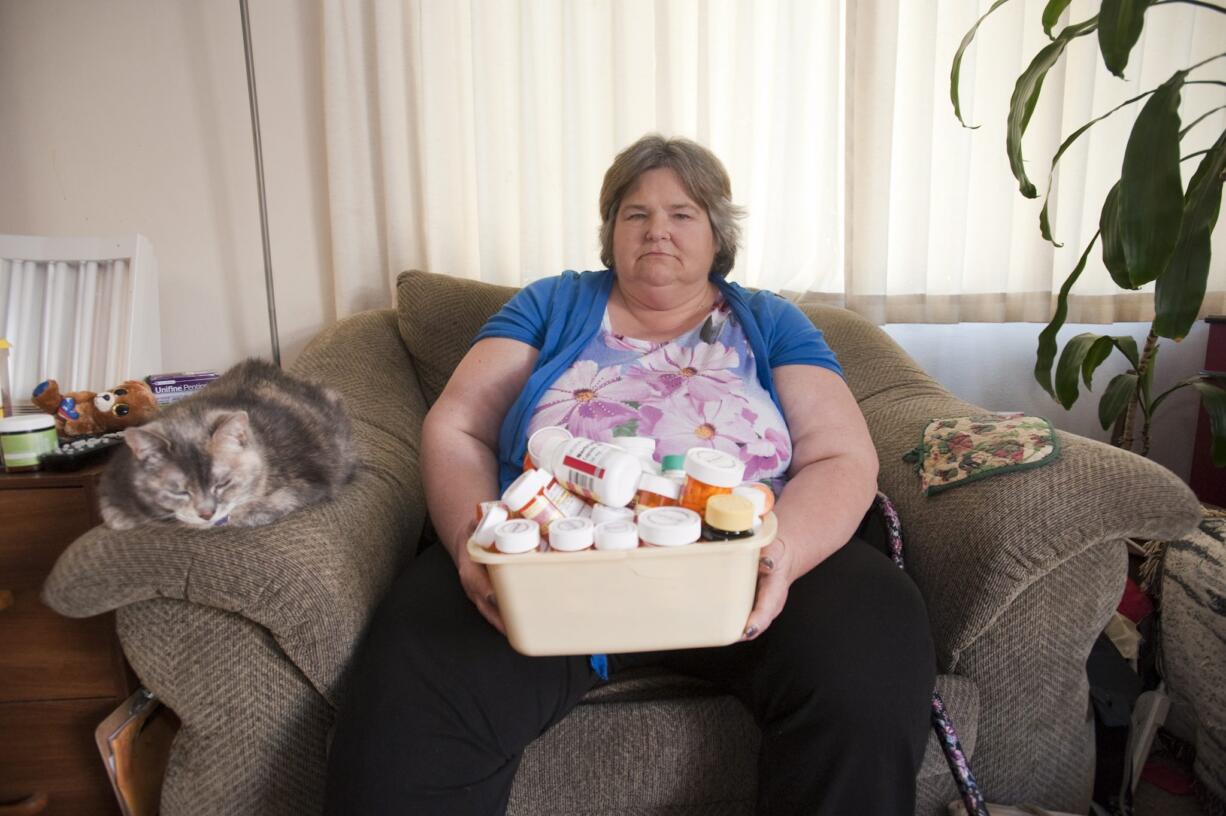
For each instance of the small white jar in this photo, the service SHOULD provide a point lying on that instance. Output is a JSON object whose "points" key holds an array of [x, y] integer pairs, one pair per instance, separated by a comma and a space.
{"points": [[669, 526], [517, 536], [617, 535], [571, 535]]}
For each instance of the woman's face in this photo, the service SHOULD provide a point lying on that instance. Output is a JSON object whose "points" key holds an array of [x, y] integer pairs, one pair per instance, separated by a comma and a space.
{"points": [[661, 237]]}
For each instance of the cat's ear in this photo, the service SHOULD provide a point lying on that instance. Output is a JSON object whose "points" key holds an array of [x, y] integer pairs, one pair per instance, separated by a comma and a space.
{"points": [[146, 443], [231, 431]]}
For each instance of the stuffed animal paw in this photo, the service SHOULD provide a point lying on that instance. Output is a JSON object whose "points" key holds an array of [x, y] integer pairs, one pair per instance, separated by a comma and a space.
{"points": [[78, 413]]}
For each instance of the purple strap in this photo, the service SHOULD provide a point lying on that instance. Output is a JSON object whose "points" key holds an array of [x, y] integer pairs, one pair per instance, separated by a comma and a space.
{"points": [[959, 765]]}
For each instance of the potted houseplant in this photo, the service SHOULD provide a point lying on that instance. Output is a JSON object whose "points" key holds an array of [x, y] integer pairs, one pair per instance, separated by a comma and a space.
{"points": [[1151, 228]]}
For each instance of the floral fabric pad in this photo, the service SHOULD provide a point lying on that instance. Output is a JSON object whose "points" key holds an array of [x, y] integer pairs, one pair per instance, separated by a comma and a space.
{"points": [[959, 450]]}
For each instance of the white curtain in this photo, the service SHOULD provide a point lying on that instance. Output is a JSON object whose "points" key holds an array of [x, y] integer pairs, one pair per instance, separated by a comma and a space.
{"points": [[470, 137]]}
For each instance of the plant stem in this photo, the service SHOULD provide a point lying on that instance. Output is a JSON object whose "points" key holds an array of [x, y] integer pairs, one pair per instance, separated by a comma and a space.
{"points": [[1140, 397]]}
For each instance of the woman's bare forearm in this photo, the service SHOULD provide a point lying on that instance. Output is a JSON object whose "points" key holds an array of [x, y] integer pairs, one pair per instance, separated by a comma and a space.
{"points": [[822, 505], [458, 472]]}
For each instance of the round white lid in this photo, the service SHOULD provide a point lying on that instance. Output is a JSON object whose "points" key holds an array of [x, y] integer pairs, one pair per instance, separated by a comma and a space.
{"points": [[756, 497], [669, 526], [643, 446], [495, 513], [571, 534], [714, 467], [541, 439], [616, 535], [26, 423], [603, 512], [660, 485], [520, 492], [517, 536]]}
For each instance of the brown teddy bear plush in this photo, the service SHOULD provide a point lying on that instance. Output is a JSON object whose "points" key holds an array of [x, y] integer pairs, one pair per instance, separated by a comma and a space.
{"points": [[78, 413]]}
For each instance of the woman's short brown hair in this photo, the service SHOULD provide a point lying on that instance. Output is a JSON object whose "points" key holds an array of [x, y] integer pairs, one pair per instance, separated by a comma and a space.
{"points": [[703, 176]]}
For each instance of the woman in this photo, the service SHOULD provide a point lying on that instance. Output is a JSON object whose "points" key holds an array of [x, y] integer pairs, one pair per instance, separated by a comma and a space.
{"points": [[836, 661]]}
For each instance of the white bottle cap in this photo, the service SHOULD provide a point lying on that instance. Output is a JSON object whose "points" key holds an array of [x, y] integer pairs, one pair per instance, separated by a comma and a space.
{"points": [[640, 446], [571, 535], [660, 485], [669, 526], [603, 512], [617, 535], [756, 498], [540, 439], [517, 536], [520, 492], [492, 514], [714, 467]]}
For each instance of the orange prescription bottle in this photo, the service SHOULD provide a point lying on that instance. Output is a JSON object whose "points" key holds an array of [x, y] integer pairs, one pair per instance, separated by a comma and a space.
{"points": [[536, 496], [656, 491], [708, 472]]}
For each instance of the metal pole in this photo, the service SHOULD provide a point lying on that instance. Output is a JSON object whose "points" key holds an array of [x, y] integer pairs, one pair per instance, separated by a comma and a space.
{"points": [[259, 177]]}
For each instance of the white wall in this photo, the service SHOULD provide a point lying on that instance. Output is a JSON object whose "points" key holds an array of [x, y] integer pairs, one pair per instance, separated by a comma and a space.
{"points": [[131, 116]]}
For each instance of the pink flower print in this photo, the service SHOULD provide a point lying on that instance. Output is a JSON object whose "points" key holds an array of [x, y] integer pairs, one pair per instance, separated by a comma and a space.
{"points": [[590, 401], [764, 455], [701, 372], [679, 424]]}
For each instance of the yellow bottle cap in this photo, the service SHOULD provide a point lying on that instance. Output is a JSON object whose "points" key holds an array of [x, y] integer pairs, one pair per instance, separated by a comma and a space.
{"points": [[730, 512]]}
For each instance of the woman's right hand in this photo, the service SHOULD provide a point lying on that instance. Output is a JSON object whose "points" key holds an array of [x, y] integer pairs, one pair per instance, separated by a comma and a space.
{"points": [[475, 579]]}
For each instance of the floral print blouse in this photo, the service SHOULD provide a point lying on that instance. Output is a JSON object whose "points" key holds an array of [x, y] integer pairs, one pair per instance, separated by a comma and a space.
{"points": [[697, 390]]}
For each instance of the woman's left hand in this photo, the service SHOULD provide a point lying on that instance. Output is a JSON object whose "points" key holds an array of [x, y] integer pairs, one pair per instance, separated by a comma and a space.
{"points": [[774, 577]]}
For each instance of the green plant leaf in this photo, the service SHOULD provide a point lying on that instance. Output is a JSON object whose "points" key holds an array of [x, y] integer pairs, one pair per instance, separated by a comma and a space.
{"points": [[1044, 222], [1140, 219], [1128, 346], [1051, 15], [1046, 352], [1116, 398], [1119, 27], [1181, 287], [956, 69], [1214, 401], [1069, 367], [1101, 350], [1026, 95]]}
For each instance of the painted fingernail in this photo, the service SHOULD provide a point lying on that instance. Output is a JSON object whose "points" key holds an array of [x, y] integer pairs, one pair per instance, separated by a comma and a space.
{"points": [[768, 563], [750, 631]]}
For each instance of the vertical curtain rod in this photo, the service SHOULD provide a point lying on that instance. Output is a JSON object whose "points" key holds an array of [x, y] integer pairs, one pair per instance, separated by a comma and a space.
{"points": [[259, 177]]}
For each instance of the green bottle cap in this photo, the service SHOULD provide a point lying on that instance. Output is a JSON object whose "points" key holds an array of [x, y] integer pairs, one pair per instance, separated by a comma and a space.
{"points": [[674, 461]]}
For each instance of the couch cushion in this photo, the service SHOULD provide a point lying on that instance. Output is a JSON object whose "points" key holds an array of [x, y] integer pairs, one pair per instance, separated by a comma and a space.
{"points": [[439, 316]]}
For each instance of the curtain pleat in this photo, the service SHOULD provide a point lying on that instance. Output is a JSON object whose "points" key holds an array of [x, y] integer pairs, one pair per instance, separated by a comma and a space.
{"points": [[470, 137]]}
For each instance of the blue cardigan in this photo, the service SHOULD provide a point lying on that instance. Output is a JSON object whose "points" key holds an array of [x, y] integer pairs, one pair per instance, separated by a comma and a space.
{"points": [[560, 315]]}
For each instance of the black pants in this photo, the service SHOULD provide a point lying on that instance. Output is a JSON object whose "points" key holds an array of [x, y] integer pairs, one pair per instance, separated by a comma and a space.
{"points": [[439, 707]]}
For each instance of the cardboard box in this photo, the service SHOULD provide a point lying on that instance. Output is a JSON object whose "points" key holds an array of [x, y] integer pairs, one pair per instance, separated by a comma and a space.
{"points": [[169, 388]]}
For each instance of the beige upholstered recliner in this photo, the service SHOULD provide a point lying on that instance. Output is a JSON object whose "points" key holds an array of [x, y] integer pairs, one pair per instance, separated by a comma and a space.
{"points": [[246, 633]]}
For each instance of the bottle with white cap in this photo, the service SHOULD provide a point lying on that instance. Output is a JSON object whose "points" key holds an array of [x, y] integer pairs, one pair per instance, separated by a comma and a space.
{"points": [[537, 441], [601, 472], [603, 512], [489, 516], [669, 526], [708, 472], [517, 536], [617, 535], [642, 448], [571, 535]]}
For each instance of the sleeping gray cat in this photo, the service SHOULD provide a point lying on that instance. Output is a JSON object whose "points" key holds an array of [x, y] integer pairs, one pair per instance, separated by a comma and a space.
{"points": [[254, 445]]}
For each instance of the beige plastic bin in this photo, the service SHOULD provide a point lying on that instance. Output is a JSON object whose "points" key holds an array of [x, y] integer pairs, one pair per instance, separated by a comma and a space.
{"points": [[650, 598]]}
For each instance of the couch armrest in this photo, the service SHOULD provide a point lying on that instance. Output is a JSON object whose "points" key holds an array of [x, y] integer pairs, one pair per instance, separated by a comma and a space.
{"points": [[313, 577], [974, 549]]}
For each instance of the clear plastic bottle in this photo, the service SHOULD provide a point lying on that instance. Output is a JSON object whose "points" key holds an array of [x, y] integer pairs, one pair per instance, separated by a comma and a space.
{"points": [[600, 472], [708, 472]]}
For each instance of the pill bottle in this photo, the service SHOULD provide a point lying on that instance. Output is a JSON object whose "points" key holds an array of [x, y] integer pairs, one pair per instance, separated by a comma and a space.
{"points": [[23, 439], [616, 535], [642, 448], [673, 467], [489, 516], [603, 512], [656, 491], [517, 536], [571, 535], [527, 497], [669, 526], [728, 517], [761, 499], [536, 443], [708, 472], [597, 471]]}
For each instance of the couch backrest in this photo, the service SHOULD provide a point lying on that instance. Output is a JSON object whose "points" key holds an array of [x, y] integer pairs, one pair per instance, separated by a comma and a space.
{"points": [[440, 315]]}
